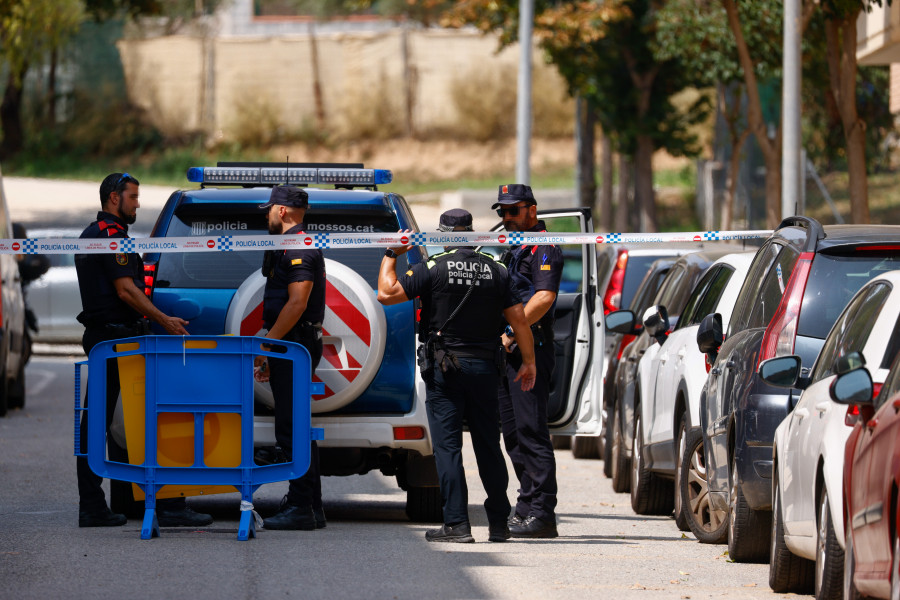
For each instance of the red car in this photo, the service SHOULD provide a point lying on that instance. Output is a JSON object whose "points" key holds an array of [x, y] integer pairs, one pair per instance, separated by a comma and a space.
{"points": [[871, 478]]}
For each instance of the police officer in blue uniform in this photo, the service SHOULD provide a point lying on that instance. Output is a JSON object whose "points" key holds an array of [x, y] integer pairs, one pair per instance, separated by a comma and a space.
{"points": [[293, 310], [535, 271], [465, 296], [113, 302]]}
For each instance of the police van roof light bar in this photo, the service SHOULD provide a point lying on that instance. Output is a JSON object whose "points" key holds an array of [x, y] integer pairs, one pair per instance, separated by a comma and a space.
{"points": [[342, 176]]}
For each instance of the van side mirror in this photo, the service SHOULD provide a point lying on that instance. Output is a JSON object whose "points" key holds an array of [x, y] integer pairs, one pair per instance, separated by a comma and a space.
{"points": [[710, 336], [783, 371], [853, 387], [621, 321], [656, 323]]}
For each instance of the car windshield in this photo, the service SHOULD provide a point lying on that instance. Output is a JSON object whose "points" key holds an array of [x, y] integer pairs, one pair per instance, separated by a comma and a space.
{"points": [[212, 270], [833, 280]]}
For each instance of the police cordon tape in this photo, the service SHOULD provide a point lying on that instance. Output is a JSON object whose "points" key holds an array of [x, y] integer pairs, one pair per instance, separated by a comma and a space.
{"points": [[232, 243]]}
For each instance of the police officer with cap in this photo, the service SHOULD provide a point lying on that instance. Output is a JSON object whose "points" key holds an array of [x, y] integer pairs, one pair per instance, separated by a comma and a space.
{"points": [[113, 302], [293, 310], [535, 271], [465, 296]]}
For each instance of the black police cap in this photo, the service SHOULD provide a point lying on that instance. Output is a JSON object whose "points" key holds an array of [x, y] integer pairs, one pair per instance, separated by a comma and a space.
{"points": [[455, 217], [287, 195], [513, 193]]}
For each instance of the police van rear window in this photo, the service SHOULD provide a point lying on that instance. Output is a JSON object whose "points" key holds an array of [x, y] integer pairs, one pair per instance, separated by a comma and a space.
{"points": [[224, 270]]}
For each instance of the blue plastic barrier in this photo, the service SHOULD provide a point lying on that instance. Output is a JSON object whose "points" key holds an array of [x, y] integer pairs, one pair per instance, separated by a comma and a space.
{"points": [[198, 375]]}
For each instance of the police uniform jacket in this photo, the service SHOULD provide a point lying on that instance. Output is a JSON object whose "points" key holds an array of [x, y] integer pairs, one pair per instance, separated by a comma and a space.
{"points": [[283, 267], [534, 268], [96, 273], [442, 283]]}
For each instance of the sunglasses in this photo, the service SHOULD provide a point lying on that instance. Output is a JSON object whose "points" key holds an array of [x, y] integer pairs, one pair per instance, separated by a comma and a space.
{"points": [[124, 177], [512, 211]]}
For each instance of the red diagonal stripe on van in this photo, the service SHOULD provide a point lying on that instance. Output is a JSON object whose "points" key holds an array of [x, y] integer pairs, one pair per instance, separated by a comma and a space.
{"points": [[252, 323], [330, 353], [347, 312]]}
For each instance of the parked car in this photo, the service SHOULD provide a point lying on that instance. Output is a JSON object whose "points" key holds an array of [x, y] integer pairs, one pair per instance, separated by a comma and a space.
{"points": [[871, 481], [651, 493], [373, 411], [807, 548], [799, 283], [616, 465], [672, 380], [54, 296]]}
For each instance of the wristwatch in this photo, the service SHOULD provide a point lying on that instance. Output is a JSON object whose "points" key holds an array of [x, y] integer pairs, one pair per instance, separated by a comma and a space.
{"points": [[390, 253], [509, 331]]}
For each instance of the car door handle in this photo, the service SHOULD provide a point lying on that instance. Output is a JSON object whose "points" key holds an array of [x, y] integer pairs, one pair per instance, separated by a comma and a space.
{"points": [[896, 404], [631, 358], [801, 413], [823, 406], [681, 352], [872, 423], [663, 359], [715, 371], [729, 364]]}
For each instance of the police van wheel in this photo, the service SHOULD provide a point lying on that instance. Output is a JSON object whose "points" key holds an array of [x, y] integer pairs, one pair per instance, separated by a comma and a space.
{"points": [[423, 504], [561, 442], [585, 447]]}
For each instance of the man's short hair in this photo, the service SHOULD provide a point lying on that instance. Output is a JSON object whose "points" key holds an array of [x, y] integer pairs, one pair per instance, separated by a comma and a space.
{"points": [[115, 182]]}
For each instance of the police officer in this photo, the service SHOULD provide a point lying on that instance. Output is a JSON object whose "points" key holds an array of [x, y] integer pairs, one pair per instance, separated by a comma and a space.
{"points": [[293, 310], [113, 302], [465, 295], [535, 271]]}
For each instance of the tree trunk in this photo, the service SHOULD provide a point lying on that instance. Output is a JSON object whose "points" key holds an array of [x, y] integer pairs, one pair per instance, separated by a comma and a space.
{"points": [[606, 191], [840, 38], [11, 115], [317, 79], [585, 172], [770, 147], [622, 206], [644, 196], [51, 88], [732, 114]]}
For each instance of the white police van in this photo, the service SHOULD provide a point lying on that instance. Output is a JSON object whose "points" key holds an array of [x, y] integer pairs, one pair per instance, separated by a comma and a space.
{"points": [[373, 410]]}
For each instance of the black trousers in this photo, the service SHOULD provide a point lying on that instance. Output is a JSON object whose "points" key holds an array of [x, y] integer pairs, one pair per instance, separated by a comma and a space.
{"points": [[307, 489], [90, 494], [468, 394], [523, 417]]}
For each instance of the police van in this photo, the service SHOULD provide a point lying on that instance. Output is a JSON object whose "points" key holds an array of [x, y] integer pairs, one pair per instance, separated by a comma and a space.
{"points": [[373, 409]]}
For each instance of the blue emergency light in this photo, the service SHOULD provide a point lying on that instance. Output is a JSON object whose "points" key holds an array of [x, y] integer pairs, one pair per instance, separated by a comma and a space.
{"points": [[336, 176]]}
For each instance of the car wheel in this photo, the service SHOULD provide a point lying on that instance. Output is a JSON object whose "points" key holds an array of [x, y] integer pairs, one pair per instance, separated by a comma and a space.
{"points": [[4, 394], [650, 493], [423, 504], [829, 556], [585, 447], [708, 525], [850, 591], [561, 442], [16, 387], [787, 571], [895, 569], [621, 465], [608, 442], [681, 520], [748, 530]]}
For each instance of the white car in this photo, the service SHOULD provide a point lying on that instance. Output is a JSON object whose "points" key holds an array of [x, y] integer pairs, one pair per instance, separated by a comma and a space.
{"points": [[672, 377], [808, 519]]}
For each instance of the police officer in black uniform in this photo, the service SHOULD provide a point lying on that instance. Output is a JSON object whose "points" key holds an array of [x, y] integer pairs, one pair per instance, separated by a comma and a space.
{"points": [[535, 271], [113, 302], [293, 310], [465, 295]]}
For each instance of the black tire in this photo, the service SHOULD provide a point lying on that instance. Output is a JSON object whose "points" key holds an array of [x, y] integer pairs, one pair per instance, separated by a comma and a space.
{"points": [[585, 447], [621, 464], [608, 442], [4, 393], [708, 525], [561, 442], [423, 504], [829, 581], [749, 531], [16, 388], [650, 493], [681, 519], [787, 571], [850, 591]]}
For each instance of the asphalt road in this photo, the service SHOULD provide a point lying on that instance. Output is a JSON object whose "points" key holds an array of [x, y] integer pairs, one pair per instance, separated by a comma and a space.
{"points": [[368, 550]]}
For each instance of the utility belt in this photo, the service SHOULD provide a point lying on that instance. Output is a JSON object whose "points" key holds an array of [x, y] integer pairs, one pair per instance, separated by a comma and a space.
{"points": [[434, 352], [303, 330], [122, 330]]}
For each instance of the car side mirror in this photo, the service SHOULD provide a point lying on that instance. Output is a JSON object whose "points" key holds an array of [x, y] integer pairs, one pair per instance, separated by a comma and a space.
{"points": [[656, 322], [621, 321], [782, 371], [853, 387], [710, 336], [845, 364]]}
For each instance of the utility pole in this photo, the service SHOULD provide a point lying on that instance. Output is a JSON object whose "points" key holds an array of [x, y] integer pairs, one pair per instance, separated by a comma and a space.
{"points": [[791, 167], [523, 102]]}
